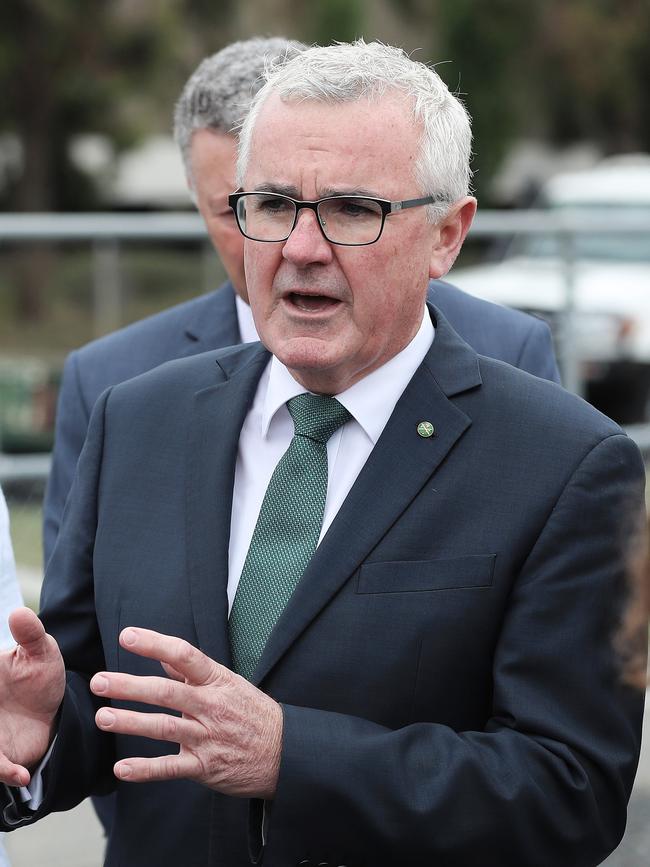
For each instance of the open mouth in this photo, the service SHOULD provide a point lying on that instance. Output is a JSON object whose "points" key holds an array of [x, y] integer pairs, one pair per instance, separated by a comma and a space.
{"points": [[312, 303]]}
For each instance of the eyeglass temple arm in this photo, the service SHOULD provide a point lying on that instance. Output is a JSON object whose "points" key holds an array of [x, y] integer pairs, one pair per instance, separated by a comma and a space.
{"points": [[411, 203]]}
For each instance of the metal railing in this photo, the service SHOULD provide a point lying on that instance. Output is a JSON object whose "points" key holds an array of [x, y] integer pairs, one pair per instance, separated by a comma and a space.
{"points": [[107, 232]]}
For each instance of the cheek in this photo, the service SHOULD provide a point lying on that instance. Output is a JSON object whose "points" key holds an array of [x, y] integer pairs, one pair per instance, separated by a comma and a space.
{"points": [[257, 266], [233, 244]]}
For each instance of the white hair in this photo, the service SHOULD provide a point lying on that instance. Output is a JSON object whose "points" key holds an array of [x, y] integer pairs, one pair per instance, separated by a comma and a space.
{"points": [[346, 72]]}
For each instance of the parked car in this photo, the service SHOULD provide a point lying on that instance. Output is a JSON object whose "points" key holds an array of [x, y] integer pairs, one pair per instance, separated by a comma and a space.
{"points": [[610, 333]]}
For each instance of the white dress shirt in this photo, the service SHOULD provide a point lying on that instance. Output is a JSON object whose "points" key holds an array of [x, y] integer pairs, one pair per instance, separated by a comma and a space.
{"points": [[268, 430], [247, 330], [10, 597]]}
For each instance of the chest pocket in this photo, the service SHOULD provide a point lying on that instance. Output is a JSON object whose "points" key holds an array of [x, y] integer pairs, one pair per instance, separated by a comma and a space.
{"points": [[472, 572]]}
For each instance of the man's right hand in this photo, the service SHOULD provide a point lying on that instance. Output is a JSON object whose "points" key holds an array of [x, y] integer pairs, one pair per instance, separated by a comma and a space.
{"points": [[32, 683]]}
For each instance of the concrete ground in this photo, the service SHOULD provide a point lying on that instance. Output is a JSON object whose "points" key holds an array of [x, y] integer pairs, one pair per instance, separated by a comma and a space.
{"points": [[634, 850], [74, 839]]}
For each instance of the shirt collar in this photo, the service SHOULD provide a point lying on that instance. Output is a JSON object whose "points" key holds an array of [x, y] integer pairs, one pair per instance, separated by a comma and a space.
{"points": [[371, 400], [247, 330]]}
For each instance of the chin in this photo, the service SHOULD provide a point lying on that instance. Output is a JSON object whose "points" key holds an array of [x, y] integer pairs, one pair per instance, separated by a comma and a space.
{"points": [[308, 358]]}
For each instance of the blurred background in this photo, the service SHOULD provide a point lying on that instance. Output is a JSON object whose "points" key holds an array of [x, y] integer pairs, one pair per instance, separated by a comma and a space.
{"points": [[558, 93]]}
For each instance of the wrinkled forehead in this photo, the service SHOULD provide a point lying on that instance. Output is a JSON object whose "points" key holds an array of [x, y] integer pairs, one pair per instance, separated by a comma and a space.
{"points": [[367, 138], [381, 107]]}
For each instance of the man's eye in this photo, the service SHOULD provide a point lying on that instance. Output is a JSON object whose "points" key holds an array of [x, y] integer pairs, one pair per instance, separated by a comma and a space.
{"points": [[356, 209], [273, 206]]}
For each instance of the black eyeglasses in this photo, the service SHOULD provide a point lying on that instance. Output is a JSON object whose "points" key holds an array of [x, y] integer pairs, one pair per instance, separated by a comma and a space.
{"points": [[352, 221]]}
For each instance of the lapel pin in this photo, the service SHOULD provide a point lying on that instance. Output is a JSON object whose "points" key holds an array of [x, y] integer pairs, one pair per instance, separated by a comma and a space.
{"points": [[426, 429]]}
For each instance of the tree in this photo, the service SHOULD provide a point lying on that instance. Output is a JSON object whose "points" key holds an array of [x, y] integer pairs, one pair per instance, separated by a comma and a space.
{"points": [[79, 66]]}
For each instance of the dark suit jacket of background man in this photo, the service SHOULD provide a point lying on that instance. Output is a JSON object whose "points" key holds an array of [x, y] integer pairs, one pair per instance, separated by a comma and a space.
{"points": [[449, 688], [210, 322]]}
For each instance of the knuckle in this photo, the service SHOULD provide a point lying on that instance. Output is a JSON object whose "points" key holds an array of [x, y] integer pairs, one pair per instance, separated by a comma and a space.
{"points": [[187, 653], [169, 727], [168, 692], [170, 767]]}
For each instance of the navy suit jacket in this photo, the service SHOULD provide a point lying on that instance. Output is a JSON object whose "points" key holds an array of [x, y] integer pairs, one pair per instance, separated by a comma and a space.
{"points": [[445, 665], [210, 322]]}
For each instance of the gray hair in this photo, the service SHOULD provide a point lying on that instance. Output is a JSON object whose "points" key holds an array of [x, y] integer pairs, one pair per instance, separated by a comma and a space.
{"points": [[347, 72], [218, 94]]}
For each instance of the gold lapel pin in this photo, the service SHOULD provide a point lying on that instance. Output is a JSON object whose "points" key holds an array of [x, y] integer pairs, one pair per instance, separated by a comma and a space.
{"points": [[426, 429]]}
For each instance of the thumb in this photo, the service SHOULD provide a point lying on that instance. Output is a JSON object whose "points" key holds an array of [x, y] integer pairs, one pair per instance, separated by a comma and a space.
{"points": [[28, 631]]}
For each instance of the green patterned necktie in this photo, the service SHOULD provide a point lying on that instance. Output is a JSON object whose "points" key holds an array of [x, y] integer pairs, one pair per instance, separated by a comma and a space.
{"points": [[287, 529]]}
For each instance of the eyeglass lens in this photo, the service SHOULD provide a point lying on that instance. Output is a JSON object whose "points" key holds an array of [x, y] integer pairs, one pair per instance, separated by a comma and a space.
{"points": [[344, 219]]}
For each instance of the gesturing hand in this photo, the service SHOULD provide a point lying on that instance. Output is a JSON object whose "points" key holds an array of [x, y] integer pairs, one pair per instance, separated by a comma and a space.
{"points": [[230, 733], [32, 683]]}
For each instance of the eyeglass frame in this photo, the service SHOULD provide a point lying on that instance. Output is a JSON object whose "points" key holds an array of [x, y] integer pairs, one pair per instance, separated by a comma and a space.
{"points": [[387, 208]]}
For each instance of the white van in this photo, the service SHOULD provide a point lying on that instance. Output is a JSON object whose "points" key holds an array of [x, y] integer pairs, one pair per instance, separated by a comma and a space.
{"points": [[611, 281]]}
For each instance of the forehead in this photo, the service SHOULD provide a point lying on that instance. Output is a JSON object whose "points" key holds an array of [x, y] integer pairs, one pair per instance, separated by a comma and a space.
{"points": [[316, 147], [213, 150]]}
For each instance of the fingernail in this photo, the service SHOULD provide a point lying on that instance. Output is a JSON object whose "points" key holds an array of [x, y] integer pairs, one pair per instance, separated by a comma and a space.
{"points": [[105, 717], [129, 637], [123, 771], [99, 683]]}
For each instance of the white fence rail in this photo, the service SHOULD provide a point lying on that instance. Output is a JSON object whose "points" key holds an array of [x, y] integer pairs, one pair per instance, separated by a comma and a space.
{"points": [[107, 232]]}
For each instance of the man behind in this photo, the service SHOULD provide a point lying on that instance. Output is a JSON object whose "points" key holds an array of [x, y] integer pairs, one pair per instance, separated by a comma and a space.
{"points": [[436, 684], [213, 104], [210, 109]]}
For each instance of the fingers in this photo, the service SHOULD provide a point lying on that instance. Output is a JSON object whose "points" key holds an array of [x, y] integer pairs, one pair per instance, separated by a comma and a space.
{"points": [[149, 690], [186, 661], [159, 726], [137, 770], [11, 774]]}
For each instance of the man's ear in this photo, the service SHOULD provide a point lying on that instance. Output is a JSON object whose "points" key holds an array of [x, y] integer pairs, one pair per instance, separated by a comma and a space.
{"points": [[449, 236]]}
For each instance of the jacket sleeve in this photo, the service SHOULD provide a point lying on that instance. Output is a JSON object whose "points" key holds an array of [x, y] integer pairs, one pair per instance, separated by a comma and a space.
{"points": [[72, 418], [537, 355], [545, 783], [82, 759]]}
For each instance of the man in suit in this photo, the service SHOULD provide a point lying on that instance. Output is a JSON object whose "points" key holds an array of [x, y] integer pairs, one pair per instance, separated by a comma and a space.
{"points": [[417, 579], [213, 103]]}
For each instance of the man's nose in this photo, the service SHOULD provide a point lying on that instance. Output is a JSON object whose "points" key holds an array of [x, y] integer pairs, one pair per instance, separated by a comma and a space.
{"points": [[307, 244]]}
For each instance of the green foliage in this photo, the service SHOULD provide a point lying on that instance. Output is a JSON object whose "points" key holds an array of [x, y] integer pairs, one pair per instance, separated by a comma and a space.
{"points": [[81, 66], [490, 70], [557, 70], [336, 20], [560, 70]]}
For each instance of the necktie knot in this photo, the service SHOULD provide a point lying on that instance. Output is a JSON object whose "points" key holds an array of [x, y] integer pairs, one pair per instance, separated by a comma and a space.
{"points": [[316, 416]]}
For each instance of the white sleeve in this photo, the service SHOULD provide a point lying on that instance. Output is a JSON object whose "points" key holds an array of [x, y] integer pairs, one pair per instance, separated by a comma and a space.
{"points": [[32, 795], [10, 596]]}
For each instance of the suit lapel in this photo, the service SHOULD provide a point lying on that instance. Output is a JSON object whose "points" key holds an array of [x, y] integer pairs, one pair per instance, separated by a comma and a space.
{"points": [[218, 413], [214, 324], [402, 462]]}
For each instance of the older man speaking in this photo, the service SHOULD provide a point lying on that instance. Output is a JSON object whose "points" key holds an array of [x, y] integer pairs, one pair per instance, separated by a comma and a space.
{"points": [[379, 570]]}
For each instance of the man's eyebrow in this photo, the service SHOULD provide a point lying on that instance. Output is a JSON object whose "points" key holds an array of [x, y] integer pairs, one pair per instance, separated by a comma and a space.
{"points": [[282, 189], [294, 193], [350, 191]]}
